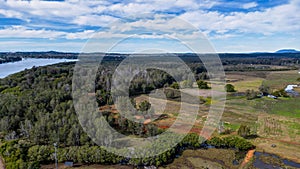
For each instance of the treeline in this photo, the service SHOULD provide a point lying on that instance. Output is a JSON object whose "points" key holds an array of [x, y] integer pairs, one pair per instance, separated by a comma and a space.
{"points": [[6, 59], [50, 54], [231, 142], [279, 59], [19, 154], [36, 104]]}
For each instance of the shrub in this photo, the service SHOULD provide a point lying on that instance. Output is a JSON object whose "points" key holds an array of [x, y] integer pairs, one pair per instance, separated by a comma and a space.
{"points": [[231, 142], [244, 131], [202, 84], [175, 85], [265, 90], [229, 88], [280, 93], [251, 94]]}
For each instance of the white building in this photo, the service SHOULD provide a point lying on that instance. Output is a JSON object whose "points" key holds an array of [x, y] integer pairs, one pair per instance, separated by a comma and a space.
{"points": [[290, 88]]}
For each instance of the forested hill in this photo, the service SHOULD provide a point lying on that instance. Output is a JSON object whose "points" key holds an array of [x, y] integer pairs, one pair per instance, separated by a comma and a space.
{"points": [[69, 55], [51, 54], [7, 58]]}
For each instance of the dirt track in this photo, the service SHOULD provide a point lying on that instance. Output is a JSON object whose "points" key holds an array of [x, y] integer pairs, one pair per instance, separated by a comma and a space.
{"points": [[2, 166]]}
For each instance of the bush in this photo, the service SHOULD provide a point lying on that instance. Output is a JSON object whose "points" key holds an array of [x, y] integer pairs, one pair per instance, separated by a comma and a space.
{"points": [[280, 93], [144, 106], [231, 142], [265, 90], [14, 155], [229, 88], [202, 84], [33, 165], [251, 94], [175, 85], [244, 131], [41, 153], [191, 140]]}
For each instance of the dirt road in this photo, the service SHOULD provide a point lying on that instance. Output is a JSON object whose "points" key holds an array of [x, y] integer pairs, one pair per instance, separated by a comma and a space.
{"points": [[2, 166]]}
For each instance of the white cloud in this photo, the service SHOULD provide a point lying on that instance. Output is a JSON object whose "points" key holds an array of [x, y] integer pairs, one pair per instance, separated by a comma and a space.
{"points": [[81, 35], [279, 19], [11, 13], [104, 14], [64, 11], [33, 45], [23, 32], [94, 20], [79, 11], [250, 5]]}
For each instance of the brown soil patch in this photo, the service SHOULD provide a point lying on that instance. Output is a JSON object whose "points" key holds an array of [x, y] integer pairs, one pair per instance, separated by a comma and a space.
{"points": [[248, 157]]}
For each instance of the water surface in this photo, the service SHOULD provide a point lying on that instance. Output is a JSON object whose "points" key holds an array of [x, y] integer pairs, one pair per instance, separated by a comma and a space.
{"points": [[260, 164], [14, 67]]}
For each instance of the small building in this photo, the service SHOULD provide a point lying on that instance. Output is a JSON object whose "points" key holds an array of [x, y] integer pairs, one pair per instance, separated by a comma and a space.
{"points": [[290, 90], [272, 96], [69, 164]]}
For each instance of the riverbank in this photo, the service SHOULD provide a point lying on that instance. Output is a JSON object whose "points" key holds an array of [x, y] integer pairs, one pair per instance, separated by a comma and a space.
{"points": [[284, 149], [7, 69], [248, 158]]}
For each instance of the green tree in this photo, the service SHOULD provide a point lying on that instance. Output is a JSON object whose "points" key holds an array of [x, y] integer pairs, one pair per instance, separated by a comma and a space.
{"points": [[280, 93], [144, 106], [202, 84], [175, 85], [244, 131], [229, 88], [251, 94], [265, 90]]}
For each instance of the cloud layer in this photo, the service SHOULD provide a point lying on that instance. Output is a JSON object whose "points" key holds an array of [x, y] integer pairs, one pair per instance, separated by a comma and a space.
{"points": [[219, 20]]}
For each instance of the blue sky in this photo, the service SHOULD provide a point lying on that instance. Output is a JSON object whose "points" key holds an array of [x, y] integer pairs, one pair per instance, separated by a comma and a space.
{"points": [[229, 26]]}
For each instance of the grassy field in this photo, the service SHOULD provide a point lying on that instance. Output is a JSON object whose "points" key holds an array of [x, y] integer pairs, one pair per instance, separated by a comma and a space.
{"points": [[244, 81], [210, 158], [277, 121], [288, 107], [280, 79], [286, 150]]}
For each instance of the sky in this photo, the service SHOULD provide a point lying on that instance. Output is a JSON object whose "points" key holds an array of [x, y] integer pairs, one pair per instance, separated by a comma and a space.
{"points": [[130, 26]]}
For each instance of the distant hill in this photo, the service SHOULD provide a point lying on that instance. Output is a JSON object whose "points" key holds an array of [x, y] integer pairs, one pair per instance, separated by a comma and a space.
{"points": [[287, 51]]}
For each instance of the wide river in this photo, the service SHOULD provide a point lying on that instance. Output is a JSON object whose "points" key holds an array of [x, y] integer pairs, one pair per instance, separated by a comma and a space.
{"points": [[14, 67]]}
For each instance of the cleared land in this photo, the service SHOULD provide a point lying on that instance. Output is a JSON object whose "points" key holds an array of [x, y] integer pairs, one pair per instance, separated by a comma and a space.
{"points": [[280, 79], [210, 158], [277, 121], [244, 81]]}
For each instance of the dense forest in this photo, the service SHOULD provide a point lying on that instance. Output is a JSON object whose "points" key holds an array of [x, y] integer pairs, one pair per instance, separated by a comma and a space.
{"points": [[37, 110], [6, 59]]}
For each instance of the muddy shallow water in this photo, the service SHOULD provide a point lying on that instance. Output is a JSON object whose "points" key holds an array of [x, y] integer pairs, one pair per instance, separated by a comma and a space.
{"points": [[270, 161]]}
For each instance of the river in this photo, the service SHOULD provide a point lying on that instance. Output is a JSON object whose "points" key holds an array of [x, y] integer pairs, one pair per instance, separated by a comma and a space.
{"points": [[7, 69], [258, 163]]}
